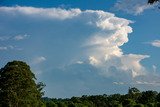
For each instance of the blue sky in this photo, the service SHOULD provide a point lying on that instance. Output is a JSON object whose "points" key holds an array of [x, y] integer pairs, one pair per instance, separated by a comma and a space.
{"points": [[84, 47]]}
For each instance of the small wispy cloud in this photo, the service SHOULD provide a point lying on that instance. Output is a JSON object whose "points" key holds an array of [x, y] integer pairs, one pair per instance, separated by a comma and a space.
{"points": [[155, 43], [154, 68], [36, 64], [153, 83], [10, 47], [3, 38], [79, 62], [20, 37], [2, 48], [17, 37], [7, 38], [119, 83], [38, 60]]}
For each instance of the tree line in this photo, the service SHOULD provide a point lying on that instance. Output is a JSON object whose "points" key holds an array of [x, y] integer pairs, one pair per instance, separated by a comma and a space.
{"points": [[134, 98], [19, 89]]}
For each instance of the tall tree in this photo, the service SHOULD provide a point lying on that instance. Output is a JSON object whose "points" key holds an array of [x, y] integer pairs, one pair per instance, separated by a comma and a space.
{"points": [[133, 93], [18, 87]]}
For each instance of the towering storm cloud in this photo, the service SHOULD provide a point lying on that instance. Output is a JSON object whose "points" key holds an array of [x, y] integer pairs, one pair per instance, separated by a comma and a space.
{"points": [[82, 45]]}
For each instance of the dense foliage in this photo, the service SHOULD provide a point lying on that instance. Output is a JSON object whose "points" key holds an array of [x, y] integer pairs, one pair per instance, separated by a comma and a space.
{"points": [[18, 87], [134, 98]]}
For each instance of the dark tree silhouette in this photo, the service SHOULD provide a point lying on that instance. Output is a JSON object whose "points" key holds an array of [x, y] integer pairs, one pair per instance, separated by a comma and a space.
{"points": [[18, 87]]}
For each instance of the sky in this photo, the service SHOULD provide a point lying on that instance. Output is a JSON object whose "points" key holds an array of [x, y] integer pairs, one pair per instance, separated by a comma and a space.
{"points": [[84, 47]]}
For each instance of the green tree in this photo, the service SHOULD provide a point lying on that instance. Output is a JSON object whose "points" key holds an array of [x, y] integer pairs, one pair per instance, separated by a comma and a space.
{"points": [[62, 104], [158, 97], [133, 90], [133, 93], [150, 105], [128, 103], [147, 97], [18, 87], [138, 105], [50, 104]]}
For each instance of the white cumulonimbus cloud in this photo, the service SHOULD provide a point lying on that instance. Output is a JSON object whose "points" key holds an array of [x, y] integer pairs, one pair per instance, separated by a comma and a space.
{"points": [[85, 43], [102, 46], [133, 6]]}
